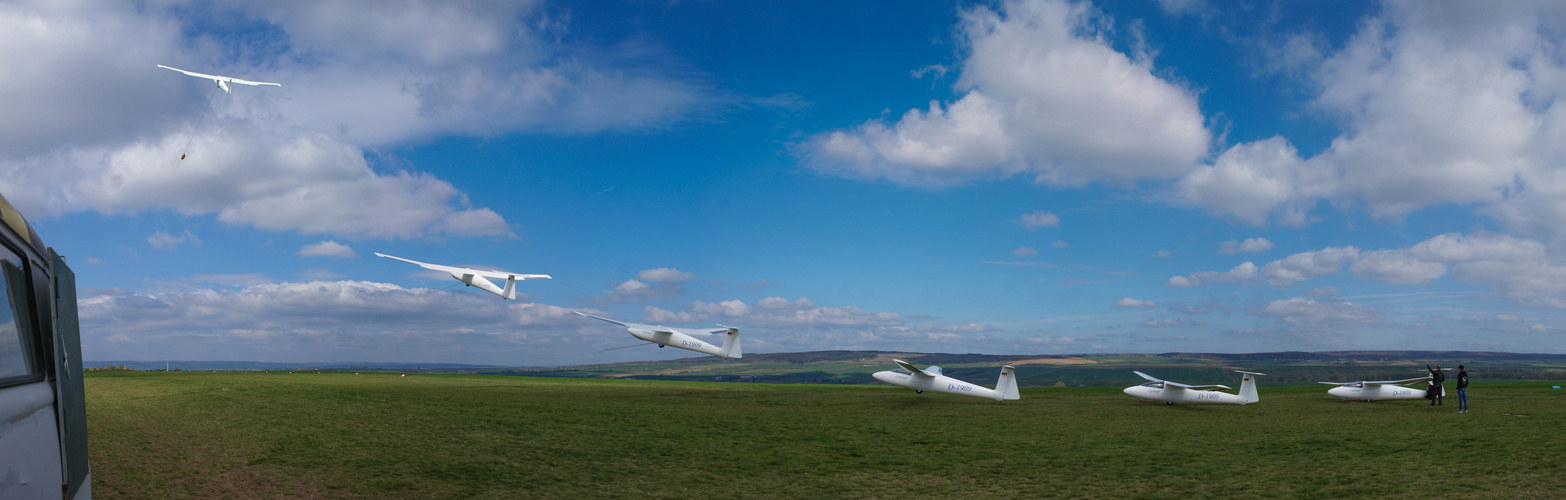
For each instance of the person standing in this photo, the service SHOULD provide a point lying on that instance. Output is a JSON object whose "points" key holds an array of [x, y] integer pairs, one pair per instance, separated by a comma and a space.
{"points": [[1437, 377], [1462, 389]]}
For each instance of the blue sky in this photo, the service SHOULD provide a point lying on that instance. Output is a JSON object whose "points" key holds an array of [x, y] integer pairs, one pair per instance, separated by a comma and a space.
{"points": [[1043, 177]]}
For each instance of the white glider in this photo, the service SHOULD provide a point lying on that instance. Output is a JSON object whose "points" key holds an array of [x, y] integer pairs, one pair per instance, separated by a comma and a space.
{"points": [[931, 379], [682, 337], [222, 81], [1375, 390], [1174, 392], [475, 277]]}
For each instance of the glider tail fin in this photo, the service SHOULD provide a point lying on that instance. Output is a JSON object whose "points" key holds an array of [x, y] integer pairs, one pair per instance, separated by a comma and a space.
{"points": [[1006, 386], [1248, 387], [731, 345], [511, 288]]}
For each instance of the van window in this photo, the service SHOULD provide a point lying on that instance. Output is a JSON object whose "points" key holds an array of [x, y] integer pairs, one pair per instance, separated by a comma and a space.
{"points": [[15, 357]]}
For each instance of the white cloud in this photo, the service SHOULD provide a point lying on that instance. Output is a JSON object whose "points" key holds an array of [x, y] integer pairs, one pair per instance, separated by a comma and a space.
{"points": [[162, 240], [1306, 265], [1024, 252], [655, 314], [1039, 219], [1312, 314], [1246, 271], [1396, 266], [664, 275], [328, 249], [355, 76], [782, 303], [1250, 245], [727, 308], [1439, 103], [1130, 302], [1059, 244], [323, 321], [650, 284], [1044, 93], [1246, 182], [1162, 254], [633, 289], [1521, 270]]}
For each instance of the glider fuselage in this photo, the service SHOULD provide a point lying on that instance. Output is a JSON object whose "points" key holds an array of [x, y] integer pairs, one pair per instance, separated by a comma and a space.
{"points": [[1376, 392], [935, 383], [676, 339], [1151, 392]]}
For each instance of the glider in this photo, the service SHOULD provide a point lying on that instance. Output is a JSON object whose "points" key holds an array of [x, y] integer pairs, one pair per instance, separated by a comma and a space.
{"points": [[1373, 390], [475, 277], [682, 337], [1174, 392], [222, 81], [931, 379]]}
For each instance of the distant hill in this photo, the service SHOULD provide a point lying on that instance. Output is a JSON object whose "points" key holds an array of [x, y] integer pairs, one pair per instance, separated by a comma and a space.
{"points": [[855, 367]]}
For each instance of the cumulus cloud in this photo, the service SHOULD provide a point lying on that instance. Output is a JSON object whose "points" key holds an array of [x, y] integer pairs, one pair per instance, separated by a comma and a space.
{"points": [[1045, 94], [633, 289], [1396, 266], [1130, 302], [1039, 219], [357, 76], [322, 321], [162, 240], [664, 275], [650, 284], [1306, 265], [1311, 314], [1246, 271], [1059, 244], [1024, 252], [1519, 269], [328, 249], [1250, 245], [1439, 103], [1249, 182]]}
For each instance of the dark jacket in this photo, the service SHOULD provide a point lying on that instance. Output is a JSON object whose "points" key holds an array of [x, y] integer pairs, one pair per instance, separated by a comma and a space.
{"points": [[1436, 376], [1462, 379]]}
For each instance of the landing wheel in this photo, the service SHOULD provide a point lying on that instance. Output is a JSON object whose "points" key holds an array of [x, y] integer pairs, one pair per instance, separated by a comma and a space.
{"points": [[661, 346], [1169, 403], [916, 391]]}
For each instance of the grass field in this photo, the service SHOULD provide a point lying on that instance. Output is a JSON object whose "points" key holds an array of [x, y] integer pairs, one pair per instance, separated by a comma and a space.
{"points": [[340, 435]]}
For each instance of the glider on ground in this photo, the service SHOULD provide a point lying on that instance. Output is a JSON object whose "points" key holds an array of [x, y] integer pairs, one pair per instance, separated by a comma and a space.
{"points": [[931, 379], [1174, 392], [1375, 390]]}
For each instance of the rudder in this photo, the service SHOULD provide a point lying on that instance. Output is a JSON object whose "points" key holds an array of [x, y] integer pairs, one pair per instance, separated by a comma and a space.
{"points": [[1006, 386], [731, 345], [1248, 387]]}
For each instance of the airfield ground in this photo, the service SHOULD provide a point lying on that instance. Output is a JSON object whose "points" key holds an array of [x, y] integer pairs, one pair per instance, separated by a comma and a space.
{"points": [[341, 435]]}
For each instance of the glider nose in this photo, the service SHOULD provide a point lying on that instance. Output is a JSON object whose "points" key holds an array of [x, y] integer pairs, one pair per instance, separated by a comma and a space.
{"points": [[1129, 391], [883, 376]]}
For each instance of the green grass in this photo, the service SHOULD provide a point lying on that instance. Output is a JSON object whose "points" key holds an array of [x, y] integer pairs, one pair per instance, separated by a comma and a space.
{"points": [[340, 435]]}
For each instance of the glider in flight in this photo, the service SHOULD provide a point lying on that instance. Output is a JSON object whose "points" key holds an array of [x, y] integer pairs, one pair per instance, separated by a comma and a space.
{"points": [[476, 277]]}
